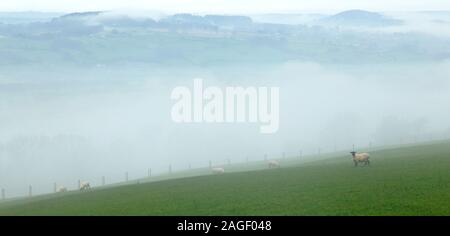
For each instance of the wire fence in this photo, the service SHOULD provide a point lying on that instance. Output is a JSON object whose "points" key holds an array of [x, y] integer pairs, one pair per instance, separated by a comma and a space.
{"points": [[299, 156]]}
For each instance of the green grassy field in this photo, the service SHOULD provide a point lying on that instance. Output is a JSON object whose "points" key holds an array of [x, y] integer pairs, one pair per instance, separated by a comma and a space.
{"points": [[412, 180]]}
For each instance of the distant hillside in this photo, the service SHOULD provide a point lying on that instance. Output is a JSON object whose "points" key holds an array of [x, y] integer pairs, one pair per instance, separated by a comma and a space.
{"points": [[108, 38], [177, 21], [360, 18]]}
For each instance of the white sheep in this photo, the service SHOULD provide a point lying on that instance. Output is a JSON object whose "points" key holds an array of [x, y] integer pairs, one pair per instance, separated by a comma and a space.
{"points": [[273, 164], [61, 189], [218, 171], [361, 158], [85, 186]]}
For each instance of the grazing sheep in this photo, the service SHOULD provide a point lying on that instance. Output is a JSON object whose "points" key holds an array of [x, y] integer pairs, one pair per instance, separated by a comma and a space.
{"points": [[274, 164], [361, 158], [218, 171], [61, 189], [85, 186]]}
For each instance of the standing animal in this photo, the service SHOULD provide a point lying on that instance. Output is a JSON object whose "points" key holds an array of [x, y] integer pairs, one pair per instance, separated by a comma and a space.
{"points": [[218, 171], [274, 164], [361, 158], [61, 189], [85, 186]]}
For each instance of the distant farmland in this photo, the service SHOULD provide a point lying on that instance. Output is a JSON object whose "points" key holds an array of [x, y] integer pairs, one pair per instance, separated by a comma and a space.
{"points": [[412, 180]]}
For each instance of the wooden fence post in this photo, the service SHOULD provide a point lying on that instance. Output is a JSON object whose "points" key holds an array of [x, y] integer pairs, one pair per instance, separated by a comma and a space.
{"points": [[54, 187]]}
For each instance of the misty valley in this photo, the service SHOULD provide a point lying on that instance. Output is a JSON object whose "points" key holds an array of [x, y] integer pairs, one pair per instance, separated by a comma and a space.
{"points": [[105, 99]]}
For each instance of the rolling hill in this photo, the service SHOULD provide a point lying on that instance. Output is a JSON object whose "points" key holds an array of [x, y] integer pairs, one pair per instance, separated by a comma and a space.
{"points": [[360, 18], [408, 180]]}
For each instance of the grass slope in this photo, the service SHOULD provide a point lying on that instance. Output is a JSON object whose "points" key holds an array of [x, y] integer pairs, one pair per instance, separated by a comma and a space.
{"points": [[401, 181]]}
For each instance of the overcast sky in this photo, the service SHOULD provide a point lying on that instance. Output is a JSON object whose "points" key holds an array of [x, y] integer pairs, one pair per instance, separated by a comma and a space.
{"points": [[223, 6]]}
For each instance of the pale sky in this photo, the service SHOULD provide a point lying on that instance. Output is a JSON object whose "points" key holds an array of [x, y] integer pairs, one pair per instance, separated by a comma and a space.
{"points": [[223, 6]]}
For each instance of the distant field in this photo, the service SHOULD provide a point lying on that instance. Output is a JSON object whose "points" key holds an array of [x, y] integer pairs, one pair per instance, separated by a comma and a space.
{"points": [[401, 181]]}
